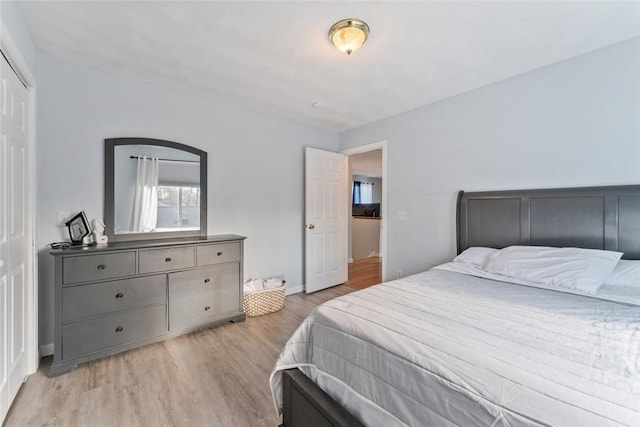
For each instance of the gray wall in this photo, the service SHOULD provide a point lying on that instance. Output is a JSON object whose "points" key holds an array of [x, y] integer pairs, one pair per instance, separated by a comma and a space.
{"points": [[256, 162], [574, 123], [11, 17]]}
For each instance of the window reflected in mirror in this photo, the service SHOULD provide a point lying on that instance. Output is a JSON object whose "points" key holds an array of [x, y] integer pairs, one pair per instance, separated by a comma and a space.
{"points": [[178, 208]]}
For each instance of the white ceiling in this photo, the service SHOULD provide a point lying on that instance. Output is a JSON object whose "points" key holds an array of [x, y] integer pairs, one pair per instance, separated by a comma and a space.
{"points": [[275, 57]]}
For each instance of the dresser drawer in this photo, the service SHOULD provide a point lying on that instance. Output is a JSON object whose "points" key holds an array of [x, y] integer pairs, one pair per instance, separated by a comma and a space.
{"points": [[201, 296], [88, 268], [217, 254], [102, 298], [157, 260], [94, 335]]}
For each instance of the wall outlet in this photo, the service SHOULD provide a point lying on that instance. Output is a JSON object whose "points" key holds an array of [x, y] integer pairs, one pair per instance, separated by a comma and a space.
{"points": [[401, 215], [62, 218], [398, 273]]}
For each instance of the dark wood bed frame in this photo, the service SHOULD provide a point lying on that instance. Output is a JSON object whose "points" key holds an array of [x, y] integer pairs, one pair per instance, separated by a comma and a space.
{"points": [[590, 217]]}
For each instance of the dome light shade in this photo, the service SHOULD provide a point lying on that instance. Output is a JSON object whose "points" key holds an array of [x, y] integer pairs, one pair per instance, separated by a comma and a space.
{"points": [[349, 34]]}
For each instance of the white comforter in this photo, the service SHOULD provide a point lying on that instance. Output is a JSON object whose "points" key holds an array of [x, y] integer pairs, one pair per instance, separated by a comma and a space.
{"points": [[442, 349]]}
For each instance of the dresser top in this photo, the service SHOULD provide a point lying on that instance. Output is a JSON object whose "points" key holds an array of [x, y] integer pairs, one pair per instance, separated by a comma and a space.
{"points": [[142, 244]]}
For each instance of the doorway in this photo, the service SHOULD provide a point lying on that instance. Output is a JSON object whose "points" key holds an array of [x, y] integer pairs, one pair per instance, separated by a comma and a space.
{"points": [[367, 224]]}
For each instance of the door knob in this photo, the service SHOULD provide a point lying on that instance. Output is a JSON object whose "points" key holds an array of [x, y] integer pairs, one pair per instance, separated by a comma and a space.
{"points": [[311, 226]]}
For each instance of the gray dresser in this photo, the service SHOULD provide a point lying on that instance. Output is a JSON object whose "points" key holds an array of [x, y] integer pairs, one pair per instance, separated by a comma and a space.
{"points": [[123, 295]]}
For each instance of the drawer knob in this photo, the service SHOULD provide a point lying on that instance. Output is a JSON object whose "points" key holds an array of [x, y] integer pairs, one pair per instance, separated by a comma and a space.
{"points": [[207, 308], [167, 259], [219, 253], [119, 296], [119, 329], [206, 280], [102, 267]]}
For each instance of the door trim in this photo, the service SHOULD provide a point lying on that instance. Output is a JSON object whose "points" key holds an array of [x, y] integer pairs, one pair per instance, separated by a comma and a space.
{"points": [[15, 58], [384, 214]]}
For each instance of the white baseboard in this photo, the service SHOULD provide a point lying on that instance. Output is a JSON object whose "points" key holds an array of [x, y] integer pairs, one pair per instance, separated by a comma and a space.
{"points": [[46, 350], [350, 260], [294, 290]]}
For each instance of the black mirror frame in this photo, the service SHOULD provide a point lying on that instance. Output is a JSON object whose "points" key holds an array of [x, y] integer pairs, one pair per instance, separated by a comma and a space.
{"points": [[109, 196]]}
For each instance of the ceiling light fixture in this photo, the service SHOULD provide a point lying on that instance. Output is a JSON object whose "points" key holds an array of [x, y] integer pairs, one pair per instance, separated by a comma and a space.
{"points": [[349, 34]]}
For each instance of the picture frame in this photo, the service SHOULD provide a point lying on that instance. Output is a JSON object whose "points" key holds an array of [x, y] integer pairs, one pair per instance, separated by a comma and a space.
{"points": [[78, 227]]}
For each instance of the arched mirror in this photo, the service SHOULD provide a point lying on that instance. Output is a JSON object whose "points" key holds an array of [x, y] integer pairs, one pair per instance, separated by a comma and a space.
{"points": [[154, 189]]}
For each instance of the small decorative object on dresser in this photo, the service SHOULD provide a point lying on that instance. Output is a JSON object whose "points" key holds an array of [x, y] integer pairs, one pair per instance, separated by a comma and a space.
{"points": [[79, 228], [98, 232], [118, 296]]}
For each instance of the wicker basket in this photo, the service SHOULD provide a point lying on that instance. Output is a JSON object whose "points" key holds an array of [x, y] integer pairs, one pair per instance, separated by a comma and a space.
{"points": [[257, 303]]}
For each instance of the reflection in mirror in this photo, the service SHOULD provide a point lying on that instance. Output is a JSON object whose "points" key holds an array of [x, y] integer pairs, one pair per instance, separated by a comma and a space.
{"points": [[156, 188]]}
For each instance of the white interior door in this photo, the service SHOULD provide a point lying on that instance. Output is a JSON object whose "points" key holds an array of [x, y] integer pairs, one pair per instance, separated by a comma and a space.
{"points": [[14, 234], [326, 218]]}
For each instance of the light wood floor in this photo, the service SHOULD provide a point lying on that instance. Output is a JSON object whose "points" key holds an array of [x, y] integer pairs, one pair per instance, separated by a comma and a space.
{"points": [[365, 272], [213, 377]]}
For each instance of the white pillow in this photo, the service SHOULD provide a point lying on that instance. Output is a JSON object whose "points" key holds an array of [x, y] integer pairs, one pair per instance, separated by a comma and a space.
{"points": [[579, 270], [626, 273], [475, 256]]}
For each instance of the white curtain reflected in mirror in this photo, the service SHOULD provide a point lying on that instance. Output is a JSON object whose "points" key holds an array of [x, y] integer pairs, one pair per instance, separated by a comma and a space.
{"points": [[145, 200]]}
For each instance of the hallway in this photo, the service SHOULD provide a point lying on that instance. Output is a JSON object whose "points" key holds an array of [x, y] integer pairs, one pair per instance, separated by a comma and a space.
{"points": [[365, 272]]}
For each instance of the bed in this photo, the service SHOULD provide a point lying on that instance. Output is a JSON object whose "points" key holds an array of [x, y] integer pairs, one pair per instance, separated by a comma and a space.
{"points": [[462, 345]]}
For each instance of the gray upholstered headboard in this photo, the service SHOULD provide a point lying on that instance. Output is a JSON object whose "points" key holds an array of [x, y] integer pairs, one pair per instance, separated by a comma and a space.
{"points": [[590, 217]]}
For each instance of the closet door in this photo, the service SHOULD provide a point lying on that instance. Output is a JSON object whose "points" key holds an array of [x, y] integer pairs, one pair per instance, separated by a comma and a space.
{"points": [[14, 234]]}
